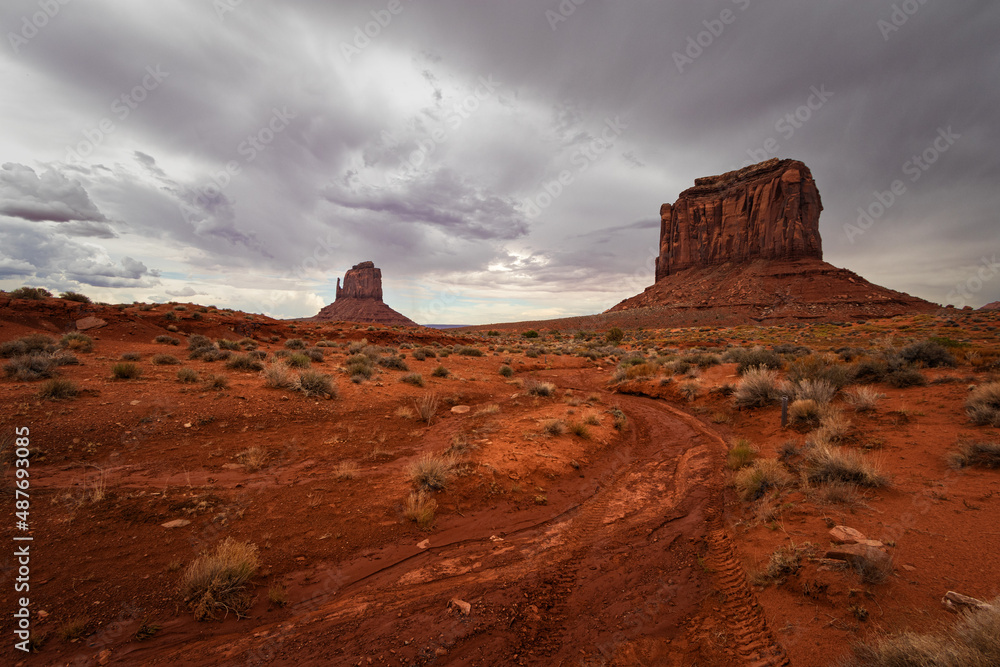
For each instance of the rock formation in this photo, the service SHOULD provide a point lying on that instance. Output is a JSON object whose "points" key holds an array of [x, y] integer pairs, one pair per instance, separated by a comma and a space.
{"points": [[766, 211], [745, 246], [360, 300], [991, 306]]}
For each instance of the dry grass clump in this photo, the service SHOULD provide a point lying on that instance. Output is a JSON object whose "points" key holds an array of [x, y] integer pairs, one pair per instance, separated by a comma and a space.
{"points": [[827, 464], [244, 362], [29, 367], [314, 383], [298, 360], [345, 470], [295, 344], [689, 390], [506, 371], [820, 391], [641, 371], [621, 420], [975, 455], [757, 357], [741, 453], [217, 382], [359, 367], [580, 430], [863, 399], [973, 641], [440, 372], [426, 407], [278, 376], [834, 429], [165, 360], [757, 389], [431, 473], [983, 405], [535, 388], [253, 458], [554, 427], [217, 582], [77, 342], [57, 389], [393, 362], [125, 370], [167, 340], [187, 375], [805, 413], [420, 508], [416, 379], [755, 480], [784, 561]]}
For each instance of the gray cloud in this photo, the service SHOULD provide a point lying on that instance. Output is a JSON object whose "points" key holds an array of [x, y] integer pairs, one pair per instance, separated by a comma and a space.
{"points": [[403, 156]]}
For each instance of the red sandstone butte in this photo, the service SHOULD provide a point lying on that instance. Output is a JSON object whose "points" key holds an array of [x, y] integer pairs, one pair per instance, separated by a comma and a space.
{"points": [[360, 300]]}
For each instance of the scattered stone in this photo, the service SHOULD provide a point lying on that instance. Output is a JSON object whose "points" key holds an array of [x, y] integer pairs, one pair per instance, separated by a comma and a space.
{"points": [[861, 555], [845, 535], [424, 544], [460, 409], [90, 323], [176, 523], [958, 602], [462, 606]]}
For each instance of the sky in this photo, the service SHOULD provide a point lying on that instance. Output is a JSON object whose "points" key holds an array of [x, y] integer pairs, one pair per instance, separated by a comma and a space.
{"points": [[499, 161]]}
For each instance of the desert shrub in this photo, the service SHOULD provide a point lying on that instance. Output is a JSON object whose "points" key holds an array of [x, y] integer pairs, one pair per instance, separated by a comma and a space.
{"points": [[870, 370], [180, 308], [641, 370], [187, 375], [554, 427], [620, 419], [216, 583], [905, 377], [755, 480], [440, 372], [805, 413], [827, 464], [217, 382], [819, 391], [259, 355], [209, 354], [614, 335], [278, 376], [834, 428], [702, 359], [419, 508], [314, 383], [29, 367], [983, 405], [295, 344], [426, 407], [57, 388], [131, 356], [125, 370], [468, 351], [689, 390], [75, 296], [359, 365], [416, 379], [431, 473], [226, 344], [33, 293], [248, 344], [419, 354], [784, 561], [580, 430], [167, 340], [315, 354], [393, 362], [170, 317], [928, 353], [77, 342], [757, 357], [814, 368], [244, 362], [534, 352], [758, 388], [506, 371], [975, 455], [535, 388], [165, 360], [741, 454], [974, 640], [863, 399], [530, 333], [297, 360], [198, 341], [64, 359]]}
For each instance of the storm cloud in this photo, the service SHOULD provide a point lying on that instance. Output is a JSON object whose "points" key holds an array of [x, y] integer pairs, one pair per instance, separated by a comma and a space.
{"points": [[496, 160]]}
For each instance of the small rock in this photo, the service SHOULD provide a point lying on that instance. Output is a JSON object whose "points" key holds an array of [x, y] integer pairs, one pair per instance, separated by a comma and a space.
{"points": [[460, 409], [845, 535], [424, 544], [958, 602], [90, 323], [176, 523], [861, 555], [103, 657], [462, 606], [440, 651]]}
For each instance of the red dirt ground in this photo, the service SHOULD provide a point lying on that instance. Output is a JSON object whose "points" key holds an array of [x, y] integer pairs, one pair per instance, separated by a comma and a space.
{"points": [[624, 547]]}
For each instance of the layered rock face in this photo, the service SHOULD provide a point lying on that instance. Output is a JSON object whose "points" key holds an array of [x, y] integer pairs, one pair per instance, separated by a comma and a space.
{"points": [[362, 281], [768, 210], [360, 300]]}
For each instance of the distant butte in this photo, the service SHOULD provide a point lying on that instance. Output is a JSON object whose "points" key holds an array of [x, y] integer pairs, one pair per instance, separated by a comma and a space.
{"points": [[747, 244], [360, 300]]}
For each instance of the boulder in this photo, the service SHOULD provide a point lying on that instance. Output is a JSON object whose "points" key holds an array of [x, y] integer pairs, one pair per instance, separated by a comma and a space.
{"points": [[90, 323], [862, 556]]}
